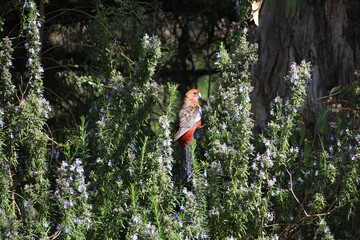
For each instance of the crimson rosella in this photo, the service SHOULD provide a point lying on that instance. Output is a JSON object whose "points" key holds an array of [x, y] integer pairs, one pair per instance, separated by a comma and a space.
{"points": [[190, 120]]}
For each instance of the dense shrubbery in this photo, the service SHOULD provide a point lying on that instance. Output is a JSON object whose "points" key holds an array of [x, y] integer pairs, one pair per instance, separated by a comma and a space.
{"points": [[117, 177]]}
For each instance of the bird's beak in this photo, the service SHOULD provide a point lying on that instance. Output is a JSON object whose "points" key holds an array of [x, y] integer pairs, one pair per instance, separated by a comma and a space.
{"points": [[199, 94]]}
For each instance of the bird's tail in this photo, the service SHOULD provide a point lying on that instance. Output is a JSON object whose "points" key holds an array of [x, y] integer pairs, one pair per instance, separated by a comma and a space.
{"points": [[185, 166]]}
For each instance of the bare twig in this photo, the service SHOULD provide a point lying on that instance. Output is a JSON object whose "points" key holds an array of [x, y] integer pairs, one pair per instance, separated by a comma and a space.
{"points": [[294, 195]]}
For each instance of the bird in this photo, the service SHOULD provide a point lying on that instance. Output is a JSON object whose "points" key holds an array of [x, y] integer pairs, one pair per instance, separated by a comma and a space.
{"points": [[189, 121]]}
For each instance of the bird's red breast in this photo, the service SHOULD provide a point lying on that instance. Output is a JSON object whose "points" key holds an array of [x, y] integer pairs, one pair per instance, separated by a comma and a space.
{"points": [[185, 139]]}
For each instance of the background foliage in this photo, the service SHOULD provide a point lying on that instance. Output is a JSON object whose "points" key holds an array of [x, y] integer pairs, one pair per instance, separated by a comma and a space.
{"points": [[112, 171]]}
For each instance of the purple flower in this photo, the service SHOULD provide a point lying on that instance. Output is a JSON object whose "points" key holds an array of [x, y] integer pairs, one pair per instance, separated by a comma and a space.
{"points": [[66, 204], [64, 164], [72, 167], [218, 55], [78, 161], [136, 219], [30, 61], [164, 122], [293, 66], [80, 188], [167, 143], [271, 182], [80, 170], [134, 148], [66, 230], [58, 226], [331, 150]]}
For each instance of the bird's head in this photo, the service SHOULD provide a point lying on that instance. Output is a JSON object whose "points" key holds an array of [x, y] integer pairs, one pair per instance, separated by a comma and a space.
{"points": [[193, 95]]}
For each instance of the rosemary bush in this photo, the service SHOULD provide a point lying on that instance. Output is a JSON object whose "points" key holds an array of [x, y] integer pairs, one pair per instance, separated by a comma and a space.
{"points": [[116, 174], [25, 167], [9, 223], [229, 146]]}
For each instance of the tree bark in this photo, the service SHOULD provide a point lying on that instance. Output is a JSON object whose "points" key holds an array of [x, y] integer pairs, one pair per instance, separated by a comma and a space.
{"points": [[325, 32]]}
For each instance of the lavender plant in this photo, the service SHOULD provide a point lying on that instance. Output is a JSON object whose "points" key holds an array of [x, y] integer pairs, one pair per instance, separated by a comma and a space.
{"points": [[335, 164], [229, 135], [9, 224], [154, 200], [116, 177], [297, 181], [122, 143], [24, 178], [273, 169], [71, 190], [282, 185], [31, 114]]}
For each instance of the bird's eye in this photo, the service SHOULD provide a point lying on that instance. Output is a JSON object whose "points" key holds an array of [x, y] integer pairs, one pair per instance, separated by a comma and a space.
{"points": [[194, 93]]}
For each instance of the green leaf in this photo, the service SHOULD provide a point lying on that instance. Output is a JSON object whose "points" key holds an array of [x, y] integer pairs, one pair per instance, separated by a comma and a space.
{"points": [[320, 124], [302, 134], [349, 88], [335, 90], [307, 152]]}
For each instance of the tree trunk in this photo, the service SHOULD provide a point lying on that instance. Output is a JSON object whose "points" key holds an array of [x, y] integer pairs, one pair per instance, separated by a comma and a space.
{"points": [[325, 32]]}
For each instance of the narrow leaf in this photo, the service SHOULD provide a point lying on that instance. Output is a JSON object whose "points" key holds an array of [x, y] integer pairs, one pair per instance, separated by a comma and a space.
{"points": [[320, 124]]}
